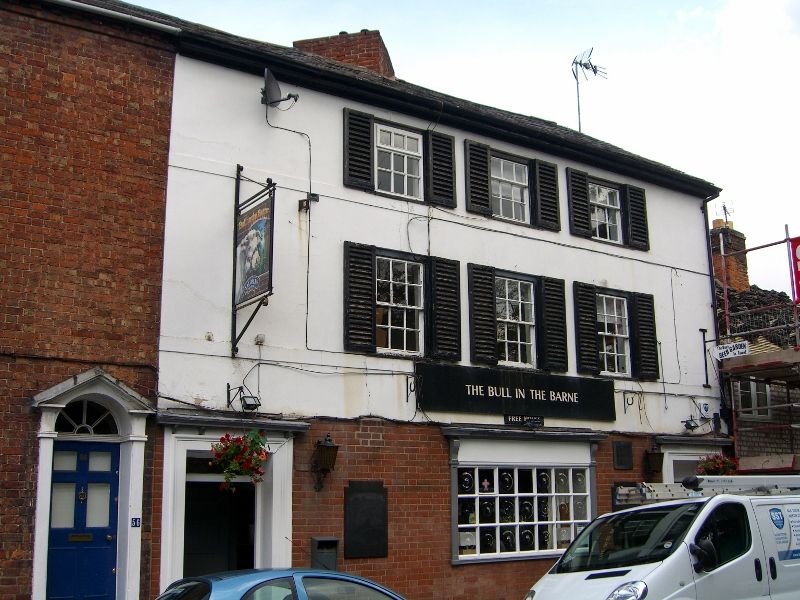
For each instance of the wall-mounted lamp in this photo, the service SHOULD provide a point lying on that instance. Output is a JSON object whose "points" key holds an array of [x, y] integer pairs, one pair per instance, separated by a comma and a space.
{"points": [[249, 403], [323, 460]]}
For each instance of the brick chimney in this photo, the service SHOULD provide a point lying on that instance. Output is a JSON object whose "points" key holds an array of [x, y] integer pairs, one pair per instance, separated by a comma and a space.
{"points": [[363, 49], [736, 266]]}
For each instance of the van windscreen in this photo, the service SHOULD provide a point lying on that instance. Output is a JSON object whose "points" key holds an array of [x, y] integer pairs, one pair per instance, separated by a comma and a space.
{"points": [[629, 538]]}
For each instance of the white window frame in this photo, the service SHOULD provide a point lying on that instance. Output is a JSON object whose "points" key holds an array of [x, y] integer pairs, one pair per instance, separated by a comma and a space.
{"points": [[758, 391], [606, 212], [678, 453], [541, 510], [510, 308], [405, 308], [620, 342], [509, 188], [405, 154], [511, 453]]}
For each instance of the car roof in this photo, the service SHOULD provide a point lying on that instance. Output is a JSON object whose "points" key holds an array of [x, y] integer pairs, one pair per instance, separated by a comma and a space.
{"points": [[242, 580]]}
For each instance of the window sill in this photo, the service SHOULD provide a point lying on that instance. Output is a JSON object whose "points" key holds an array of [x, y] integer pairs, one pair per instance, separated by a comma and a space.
{"points": [[549, 554], [397, 354], [383, 194], [609, 375]]}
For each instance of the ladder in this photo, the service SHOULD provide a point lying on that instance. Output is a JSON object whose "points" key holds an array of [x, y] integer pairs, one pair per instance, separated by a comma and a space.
{"points": [[704, 486]]}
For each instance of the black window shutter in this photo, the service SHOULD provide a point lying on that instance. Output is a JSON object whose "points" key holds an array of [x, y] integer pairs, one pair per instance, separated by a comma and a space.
{"points": [[580, 220], [636, 223], [440, 169], [359, 298], [479, 199], [482, 315], [358, 148], [644, 350], [445, 311], [586, 328], [546, 209], [552, 329]]}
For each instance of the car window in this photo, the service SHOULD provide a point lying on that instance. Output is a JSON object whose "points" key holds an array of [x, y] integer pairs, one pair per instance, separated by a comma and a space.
{"points": [[189, 590], [276, 589], [338, 589], [728, 529]]}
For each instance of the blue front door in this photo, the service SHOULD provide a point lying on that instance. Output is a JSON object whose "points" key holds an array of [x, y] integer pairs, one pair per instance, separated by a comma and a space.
{"points": [[81, 562]]}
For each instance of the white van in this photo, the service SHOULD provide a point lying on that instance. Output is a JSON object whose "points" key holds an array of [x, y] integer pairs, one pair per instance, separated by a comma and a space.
{"points": [[724, 547]]}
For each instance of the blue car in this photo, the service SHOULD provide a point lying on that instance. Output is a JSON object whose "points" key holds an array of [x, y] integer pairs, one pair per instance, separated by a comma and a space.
{"points": [[278, 584]]}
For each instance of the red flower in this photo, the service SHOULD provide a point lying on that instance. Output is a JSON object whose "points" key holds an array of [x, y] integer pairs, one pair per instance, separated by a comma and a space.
{"points": [[240, 455]]}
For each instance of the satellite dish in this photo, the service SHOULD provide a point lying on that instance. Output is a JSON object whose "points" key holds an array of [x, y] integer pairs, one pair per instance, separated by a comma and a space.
{"points": [[271, 92]]}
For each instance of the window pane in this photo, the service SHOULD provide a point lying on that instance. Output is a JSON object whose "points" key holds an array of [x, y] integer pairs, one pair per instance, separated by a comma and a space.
{"points": [[413, 166], [399, 141], [412, 144], [384, 181], [495, 169], [411, 341], [415, 296], [396, 339], [383, 291], [399, 294], [385, 137], [413, 187], [98, 505], [100, 461], [65, 460], [399, 163], [399, 183], [384, 160], [62, 506], [413, 272], [334, 589], [277, 589]]}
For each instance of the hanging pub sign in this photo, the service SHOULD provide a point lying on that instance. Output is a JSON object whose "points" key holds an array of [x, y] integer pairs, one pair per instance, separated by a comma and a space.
{"points": [[513, 393], [253, 246]]}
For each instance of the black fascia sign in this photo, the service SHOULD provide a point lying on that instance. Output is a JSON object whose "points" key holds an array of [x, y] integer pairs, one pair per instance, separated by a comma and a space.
{"points": [[451, 388]]}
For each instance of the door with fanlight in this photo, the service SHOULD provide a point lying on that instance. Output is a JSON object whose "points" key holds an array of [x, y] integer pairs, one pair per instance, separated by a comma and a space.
{"points": [[83, 521]]}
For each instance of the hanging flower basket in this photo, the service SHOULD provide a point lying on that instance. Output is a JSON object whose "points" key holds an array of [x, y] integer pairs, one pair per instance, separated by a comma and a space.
{"points": [[717, 464], [240, 455]]}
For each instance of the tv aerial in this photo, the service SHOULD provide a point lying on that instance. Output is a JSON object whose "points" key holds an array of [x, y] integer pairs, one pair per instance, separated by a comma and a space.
{"points": [[582, 65], [271, 92]]}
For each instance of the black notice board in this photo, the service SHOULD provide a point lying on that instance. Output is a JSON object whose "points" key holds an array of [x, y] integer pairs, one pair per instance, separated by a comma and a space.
{"points": [[366, 520]]}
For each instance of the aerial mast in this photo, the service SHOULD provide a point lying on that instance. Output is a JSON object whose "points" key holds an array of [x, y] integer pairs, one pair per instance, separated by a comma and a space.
{"points": [[582, 64]]}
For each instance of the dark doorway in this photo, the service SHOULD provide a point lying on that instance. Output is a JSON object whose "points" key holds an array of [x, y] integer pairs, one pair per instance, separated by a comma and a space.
{"points": [[218, 528]]}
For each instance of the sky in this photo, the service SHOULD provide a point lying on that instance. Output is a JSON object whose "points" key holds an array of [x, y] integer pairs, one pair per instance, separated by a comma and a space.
{"points": [[709, 87]]}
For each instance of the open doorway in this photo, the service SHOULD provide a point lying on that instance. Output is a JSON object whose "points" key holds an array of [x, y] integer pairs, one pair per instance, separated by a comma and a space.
{"points": [[219, 529]]}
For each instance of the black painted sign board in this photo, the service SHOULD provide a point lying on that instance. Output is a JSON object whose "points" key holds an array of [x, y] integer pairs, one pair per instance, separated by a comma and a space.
{"points": [[452, 388]]}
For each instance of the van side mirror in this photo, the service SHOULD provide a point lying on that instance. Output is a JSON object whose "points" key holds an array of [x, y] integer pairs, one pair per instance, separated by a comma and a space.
{"points": [[706, 555]]}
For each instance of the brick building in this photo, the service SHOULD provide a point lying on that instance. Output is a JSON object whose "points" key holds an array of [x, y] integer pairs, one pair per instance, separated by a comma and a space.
{"points": [[84, 133], [484, 310], [762, 388]]}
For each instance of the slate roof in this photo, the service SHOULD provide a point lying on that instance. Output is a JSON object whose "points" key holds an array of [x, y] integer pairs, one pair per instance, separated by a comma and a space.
{"points": [[294, 66]]}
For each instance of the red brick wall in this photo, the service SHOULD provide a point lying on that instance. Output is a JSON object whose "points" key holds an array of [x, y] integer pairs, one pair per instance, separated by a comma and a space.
{"points": [[735, 266], [607, 475], [363, 49], [84, 131], [412, 462]]}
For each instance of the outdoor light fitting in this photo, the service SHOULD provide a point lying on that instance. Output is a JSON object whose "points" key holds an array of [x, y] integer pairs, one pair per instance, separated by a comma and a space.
{"points": [[249, 402], [323, 460]]}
